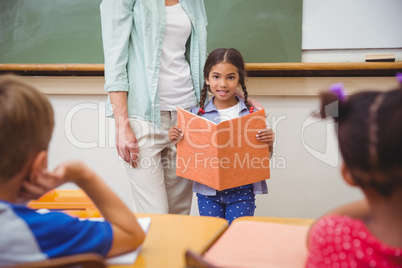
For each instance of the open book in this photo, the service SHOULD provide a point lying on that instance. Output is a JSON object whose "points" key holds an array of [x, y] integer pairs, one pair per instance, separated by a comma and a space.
{"points": [[129, 257], [223, 155]]}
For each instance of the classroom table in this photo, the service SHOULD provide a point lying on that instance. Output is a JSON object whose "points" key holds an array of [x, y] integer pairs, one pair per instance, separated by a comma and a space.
{"points": [[169, 237], [261, 242], [64, 199]]}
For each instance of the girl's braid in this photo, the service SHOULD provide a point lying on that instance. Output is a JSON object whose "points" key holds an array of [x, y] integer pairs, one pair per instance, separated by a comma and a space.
{"points": [[203, 97], [243, 86]]}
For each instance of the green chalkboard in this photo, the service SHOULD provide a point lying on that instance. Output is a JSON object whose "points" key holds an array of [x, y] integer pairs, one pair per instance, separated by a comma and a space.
{"points": [[262, 30], [69, 31], [50, 31]]}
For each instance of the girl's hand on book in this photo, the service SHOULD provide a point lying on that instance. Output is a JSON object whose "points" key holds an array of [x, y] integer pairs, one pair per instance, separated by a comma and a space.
{"points": [[175, 134], [266, 135]]}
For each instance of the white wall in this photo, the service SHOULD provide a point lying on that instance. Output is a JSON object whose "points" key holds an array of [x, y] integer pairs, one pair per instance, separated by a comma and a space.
{"points": [[305, 180]]}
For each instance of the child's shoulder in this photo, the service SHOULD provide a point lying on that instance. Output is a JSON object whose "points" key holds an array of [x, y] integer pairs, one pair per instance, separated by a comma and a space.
{"points": [[330, 226], [54, 231], [345, 236], [16, 212], [334, 220]]}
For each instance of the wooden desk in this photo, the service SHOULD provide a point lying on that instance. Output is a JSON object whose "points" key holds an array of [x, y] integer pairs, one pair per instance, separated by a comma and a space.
{"points": [[64, 199], [169, 237]]}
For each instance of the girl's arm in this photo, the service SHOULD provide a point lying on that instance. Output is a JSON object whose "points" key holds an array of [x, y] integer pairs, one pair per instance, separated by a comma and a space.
{"points": [[267, 135]]}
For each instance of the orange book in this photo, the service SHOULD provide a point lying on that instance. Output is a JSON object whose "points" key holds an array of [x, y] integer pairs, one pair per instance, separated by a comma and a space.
{"points": [[223, 155]]}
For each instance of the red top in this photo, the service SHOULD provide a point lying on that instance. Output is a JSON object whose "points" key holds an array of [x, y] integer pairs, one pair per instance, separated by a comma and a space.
{"points": [[340, 241]]}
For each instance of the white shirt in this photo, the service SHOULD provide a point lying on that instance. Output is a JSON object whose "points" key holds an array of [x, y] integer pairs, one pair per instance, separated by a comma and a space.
{"points": [[229, 113], [175, 86]]}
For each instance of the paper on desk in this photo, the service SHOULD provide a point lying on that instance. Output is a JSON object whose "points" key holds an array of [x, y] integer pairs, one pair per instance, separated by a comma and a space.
{"points": [[130, 257]]}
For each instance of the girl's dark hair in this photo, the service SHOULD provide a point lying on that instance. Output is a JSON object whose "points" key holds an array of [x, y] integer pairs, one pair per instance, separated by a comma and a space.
{"points": [[370, 136], [220, 55]]}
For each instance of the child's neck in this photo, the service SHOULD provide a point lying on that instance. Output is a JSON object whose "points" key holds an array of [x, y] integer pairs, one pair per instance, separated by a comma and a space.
{"points": [[385, 221], [9, 190], [224, 104]]}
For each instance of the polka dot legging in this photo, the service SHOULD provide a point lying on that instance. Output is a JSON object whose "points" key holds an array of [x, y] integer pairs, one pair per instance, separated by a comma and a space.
{"points": [[228, 204]]}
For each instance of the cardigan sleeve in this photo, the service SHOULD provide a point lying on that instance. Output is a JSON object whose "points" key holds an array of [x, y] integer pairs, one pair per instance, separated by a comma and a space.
{"points": [[117, 24]]}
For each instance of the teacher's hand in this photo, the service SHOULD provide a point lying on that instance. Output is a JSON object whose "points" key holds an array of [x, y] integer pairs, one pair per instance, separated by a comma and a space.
{"points": [[127, 144], [254, 103]]}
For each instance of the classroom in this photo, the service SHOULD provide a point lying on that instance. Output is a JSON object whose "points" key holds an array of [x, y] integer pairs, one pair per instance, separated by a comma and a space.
{"points": [[285, 74]]}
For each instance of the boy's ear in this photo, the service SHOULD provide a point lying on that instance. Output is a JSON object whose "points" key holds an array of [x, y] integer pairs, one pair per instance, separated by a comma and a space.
{"points": [[39, 164], [347, 176]]}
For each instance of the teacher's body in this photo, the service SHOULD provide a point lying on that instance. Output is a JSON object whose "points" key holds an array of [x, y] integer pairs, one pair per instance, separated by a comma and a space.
{"points": [[155, 52]]}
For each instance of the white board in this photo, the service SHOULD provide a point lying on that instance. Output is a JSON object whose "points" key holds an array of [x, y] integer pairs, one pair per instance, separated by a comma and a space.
{"points": [[352, 24]]}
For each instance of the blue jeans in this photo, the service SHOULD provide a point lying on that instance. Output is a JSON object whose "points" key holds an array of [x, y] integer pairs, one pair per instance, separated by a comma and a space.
{"points": [[228, 204]]}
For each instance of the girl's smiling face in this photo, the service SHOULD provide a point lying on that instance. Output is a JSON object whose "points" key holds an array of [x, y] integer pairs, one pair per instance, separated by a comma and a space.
{"points": [[223, 80]]}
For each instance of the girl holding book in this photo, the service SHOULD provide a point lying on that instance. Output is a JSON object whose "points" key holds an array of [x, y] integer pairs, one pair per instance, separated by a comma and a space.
{"points": [[223, 72]]}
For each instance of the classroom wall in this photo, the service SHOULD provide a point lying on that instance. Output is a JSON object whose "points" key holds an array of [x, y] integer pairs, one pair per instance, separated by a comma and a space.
{"points": [[305, 180]]}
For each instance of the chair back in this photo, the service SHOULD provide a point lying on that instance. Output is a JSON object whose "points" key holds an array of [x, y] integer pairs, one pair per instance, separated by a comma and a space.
{"points": [[85, 260], [194, 260]]}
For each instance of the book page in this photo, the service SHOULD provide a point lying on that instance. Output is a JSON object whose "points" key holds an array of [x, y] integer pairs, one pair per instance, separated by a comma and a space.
{"points": [[247, 159], [130, 257]]}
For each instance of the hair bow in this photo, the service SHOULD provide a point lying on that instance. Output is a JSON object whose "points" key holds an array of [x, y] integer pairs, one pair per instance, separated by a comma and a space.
{"points": [[399, 77], [339, 91]]}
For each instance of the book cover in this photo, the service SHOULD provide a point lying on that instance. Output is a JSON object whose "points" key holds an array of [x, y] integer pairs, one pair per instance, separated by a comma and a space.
{"points": [[223, 155], [260, 244]]}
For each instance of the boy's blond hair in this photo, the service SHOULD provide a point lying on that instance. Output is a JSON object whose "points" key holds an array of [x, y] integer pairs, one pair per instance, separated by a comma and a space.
{"points": [[26, 125]]}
